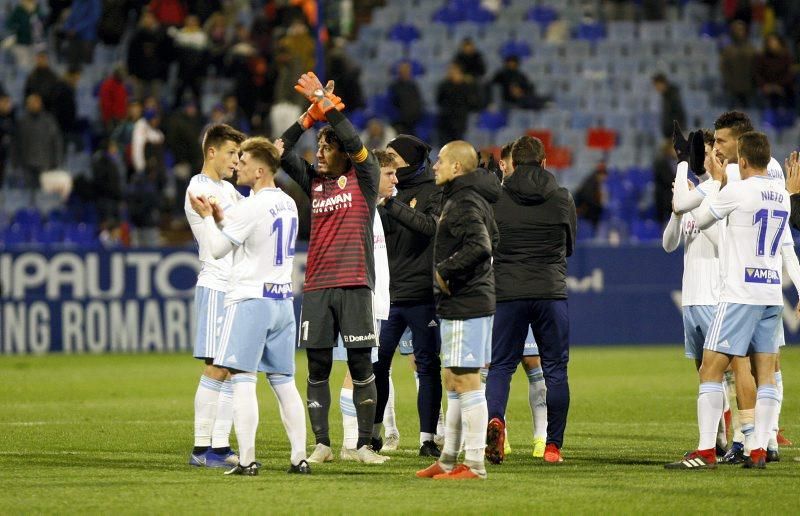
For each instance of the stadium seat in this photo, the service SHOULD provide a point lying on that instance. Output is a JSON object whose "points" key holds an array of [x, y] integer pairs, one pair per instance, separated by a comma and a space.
{"points": [[545, 136], [404, 33], [448, 16], [645, 230], [559, 157], [518, 48], [15, 235], [491, 120], [592, 32], [480, 15], [27, 217], [601, 138], [543, 15]]}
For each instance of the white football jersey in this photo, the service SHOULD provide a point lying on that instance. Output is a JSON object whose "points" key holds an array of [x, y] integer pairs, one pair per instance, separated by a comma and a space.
{"points": [[381, 293], [756, 211], [774, 171], [701, 273], [263, 227], [213, 273]]}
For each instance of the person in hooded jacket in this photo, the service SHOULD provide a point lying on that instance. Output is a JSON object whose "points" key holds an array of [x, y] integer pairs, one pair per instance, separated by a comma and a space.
{"points": [[409, 221], [537, 223], [464, 287]]}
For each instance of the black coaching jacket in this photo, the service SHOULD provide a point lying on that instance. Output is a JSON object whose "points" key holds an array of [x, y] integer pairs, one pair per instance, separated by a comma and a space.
{"points": [[537, 224], [465, 241], [409, 222]]}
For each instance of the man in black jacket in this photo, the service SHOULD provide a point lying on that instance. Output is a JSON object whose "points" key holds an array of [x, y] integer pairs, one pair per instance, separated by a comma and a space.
{"points": [[409, 221], [465, 302], [537, 223]]}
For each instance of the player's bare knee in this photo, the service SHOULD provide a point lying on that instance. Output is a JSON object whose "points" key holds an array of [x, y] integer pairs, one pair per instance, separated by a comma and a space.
{"points": [[216, 373]]}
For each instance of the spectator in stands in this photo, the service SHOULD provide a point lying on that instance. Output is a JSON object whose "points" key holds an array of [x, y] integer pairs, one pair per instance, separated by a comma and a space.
{"points": [[123, 133], [377, 135], [42, 80], [113, 98], [146, 133], [80, 29], [406, 98], [288, 104], [663, 177], [773, 70], [216, 29], [299, 42], [191, 53], [108, 180], [736, 65], [181, 130], [671, 104], [254, 87], [346, 74], [169, 13], [37, 145], [26, 25], [516, 89], [470, 59], [234, 115], [147, 61], [113, 21], [592, 196], [65, 106], [7, 124], [456, 96]]}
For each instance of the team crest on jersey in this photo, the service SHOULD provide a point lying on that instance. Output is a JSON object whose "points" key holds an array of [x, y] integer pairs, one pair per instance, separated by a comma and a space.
{"points": [[342, 182], [413, 203]]}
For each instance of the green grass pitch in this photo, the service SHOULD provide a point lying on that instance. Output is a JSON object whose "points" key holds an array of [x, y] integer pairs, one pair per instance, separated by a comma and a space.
{"points": [[112, 434]]}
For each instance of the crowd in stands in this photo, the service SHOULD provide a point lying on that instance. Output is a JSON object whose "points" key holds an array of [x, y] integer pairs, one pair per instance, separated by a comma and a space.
{"points": [[110, 97]]}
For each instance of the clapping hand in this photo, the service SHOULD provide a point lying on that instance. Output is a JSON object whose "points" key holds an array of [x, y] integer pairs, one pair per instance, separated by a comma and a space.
{"points": [[792, 166]]}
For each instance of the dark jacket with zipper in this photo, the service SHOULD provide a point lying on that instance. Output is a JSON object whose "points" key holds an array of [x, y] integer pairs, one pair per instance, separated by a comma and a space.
{"points": [[409, 222], [537, 223], [465, 241]]}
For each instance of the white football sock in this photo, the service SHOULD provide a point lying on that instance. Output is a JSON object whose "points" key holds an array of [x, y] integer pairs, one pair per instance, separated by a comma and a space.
{"points": [[221, 434], [736, 425], [475, 417], [537, 399], [245, 415], [389, 420], [773, 435], [452, 431], [205, 409], [766, 411], [722, 437], [293, 413], [349, 419], [747, 422], [709, 410]]}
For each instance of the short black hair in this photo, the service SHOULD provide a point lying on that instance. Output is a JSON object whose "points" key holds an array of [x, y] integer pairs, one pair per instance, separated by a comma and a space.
{"points": [[329, 136], [218, 134], [505, 151], [738, 122], [708, 137], [754, 147], [527, 150]]}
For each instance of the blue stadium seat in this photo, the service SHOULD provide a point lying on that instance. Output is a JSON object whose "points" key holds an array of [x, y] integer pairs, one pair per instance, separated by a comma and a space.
{"points": [[492, 120], [543, 15], [27, 217], [404, 33], [449, 16], [592, 32], [480, 15], [645, 230], [518, 48]]}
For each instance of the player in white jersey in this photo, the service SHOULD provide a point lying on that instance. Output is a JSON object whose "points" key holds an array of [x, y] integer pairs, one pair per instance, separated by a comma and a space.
{"points": [[747, 319], [728, 127], [700, 285], [259, 331], [213, 409], [380, 307]]}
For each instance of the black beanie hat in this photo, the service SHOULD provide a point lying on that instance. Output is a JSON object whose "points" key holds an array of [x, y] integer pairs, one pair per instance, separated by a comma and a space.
{"points": [[413, 150]]}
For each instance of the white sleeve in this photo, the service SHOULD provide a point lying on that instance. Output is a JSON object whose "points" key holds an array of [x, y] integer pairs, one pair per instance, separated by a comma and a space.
{"points": [[711, 232], [714, 207], [791, 264], [685, 199], [138, 140], [672, 233], [240, 226], [218, 244]]}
